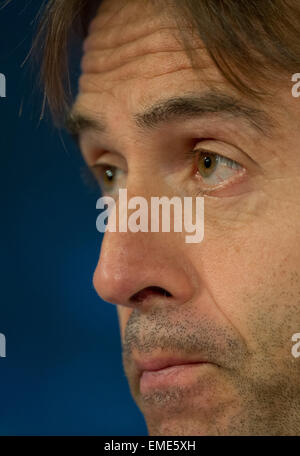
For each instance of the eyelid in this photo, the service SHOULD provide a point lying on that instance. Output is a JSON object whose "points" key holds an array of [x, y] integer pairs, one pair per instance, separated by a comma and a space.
{"points": [[111, 159], [231, 151]]}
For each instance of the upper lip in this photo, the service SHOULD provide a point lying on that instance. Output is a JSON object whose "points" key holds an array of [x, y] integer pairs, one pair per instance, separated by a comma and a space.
{"points": [[157, 363]]}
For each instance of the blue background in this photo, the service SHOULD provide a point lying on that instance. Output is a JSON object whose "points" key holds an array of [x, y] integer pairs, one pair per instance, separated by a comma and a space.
{"points": [[63, 373]]}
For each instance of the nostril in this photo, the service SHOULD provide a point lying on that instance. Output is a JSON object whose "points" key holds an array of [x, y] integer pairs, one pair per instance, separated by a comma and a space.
{"points": [[143, 294]]}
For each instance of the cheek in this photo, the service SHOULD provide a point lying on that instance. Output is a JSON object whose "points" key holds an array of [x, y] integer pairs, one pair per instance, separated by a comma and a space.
{"points": [[252, 276]]}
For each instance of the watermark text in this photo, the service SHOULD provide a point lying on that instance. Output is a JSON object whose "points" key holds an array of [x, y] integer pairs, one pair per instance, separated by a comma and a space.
{"points": [[2, 346], [188, 217], [2, 86]]}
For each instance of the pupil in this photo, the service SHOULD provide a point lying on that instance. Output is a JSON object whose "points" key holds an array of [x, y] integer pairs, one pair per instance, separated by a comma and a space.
{"points": [[207, 162], [109, 174]]}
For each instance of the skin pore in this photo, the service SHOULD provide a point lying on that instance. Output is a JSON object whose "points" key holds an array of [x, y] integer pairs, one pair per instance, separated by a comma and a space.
{"points": [[234, 299]]}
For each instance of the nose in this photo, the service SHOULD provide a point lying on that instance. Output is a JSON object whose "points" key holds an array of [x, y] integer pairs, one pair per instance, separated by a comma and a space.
{"points": [[140, 267]]}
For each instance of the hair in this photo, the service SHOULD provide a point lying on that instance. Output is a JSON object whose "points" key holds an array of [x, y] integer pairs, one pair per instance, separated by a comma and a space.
{"points": [[249, 41]]}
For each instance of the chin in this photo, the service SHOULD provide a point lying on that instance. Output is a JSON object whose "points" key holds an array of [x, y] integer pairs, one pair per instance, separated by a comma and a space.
{"points": [[181, 426]]}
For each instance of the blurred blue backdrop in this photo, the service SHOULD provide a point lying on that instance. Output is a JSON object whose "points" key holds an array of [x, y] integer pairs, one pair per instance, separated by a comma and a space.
{"points": [[62, 374]]}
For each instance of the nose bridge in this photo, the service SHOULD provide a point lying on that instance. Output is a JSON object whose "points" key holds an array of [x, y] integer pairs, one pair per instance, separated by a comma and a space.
{"points": [[130, 262]]}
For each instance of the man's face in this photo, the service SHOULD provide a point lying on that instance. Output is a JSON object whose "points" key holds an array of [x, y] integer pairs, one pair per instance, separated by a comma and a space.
{"points": [[227, 306]]}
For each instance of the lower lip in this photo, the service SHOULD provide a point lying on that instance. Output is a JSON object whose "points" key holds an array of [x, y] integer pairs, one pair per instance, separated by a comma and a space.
{"points": [[180, 375]]}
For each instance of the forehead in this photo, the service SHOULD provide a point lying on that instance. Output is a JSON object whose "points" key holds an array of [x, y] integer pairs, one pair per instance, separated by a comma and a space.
{"points": [[134, 52]]}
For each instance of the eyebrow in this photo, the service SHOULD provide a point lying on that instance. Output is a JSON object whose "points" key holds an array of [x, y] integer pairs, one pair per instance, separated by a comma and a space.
{"points": [[177, 108]]}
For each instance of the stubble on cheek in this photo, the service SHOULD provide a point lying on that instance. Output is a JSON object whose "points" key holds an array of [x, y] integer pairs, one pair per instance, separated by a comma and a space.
{"points": [[270, 384]]}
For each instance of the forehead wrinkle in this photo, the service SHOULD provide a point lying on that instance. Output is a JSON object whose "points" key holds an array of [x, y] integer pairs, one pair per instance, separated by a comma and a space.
{"points": [[141, 57], [143, 67], [99, 40], [91, 84], [110, 15], [108, 37], [157, 40], [98, 57], [98, 72], [94, 62], [144, 57]]}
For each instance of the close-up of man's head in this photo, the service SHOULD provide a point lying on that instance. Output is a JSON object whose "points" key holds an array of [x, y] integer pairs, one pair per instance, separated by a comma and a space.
{"points": [[193, 101]]}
